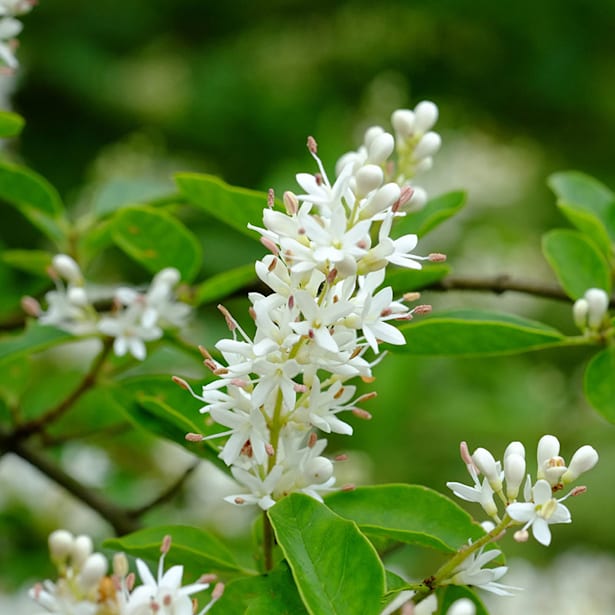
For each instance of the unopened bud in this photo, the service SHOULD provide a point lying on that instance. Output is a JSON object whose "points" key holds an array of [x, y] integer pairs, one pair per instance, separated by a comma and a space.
{"points": [[93, 570], [426, 115], [485, 462], [583, 460], [368, 178], [515, 447], [60, 544], [382, 199], [548, 447], [318, 470], [514, 472], [371, 133], [67, 268], [82, 549], [77, 296], [403, 122], [598, 304], [380, 148], [120, 565], [428, 145], [580, 310]]}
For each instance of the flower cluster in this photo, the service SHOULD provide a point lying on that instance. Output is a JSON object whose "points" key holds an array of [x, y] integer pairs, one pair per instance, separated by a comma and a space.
{"points": [[326, 310], [10, 27], [135, 317], [590, 312], [540, 508], [84, 588]]}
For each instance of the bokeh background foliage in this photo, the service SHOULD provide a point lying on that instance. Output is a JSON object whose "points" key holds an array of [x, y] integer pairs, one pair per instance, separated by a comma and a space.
{"points": [[118, 96]]}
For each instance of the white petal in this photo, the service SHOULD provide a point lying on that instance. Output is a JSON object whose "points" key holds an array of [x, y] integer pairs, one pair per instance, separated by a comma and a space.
{"points": [[540, 529]]}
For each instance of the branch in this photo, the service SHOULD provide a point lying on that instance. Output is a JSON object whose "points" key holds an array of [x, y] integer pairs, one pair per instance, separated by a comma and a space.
{"points": [[166, 495], [121, 521]]}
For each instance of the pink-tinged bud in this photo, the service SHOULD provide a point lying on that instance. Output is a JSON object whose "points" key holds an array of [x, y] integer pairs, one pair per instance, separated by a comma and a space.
{"points": [[165, 547], [362, 414], [31, 306], [436, 257], [514, 472], [312, 145], [194, 437], [521, 536], [291, 203], [218, 591], [180, 382], [486, 464], [583, 460]]}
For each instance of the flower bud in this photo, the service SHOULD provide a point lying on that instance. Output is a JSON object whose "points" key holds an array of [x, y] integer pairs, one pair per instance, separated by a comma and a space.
{"points": [[371, 133], [514, 472], [368, 178], [463, 606], [515, 447], [82, 549], [403, 122], [318, 470], [426, 115], [381, 148], [598, 304], [78, 296], [485, 462], [60, 544], [380, 200], [427, 146], [580, 310], [120, 565], [67, 268], [548, 447], [583, 460], [418, 200], [168, 276], [93, 570]]}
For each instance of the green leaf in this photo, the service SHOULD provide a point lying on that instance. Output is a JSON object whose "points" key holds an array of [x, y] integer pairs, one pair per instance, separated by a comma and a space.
{"points": [[576, 261], [224, 284], [199, 551], [152, 403], [123, 191], [589, 204], [435, 212], [236, 207], [449, 594], [32, 261], [476, 333], [272, 594], [407, 513], [404, 280], [35, 338], [35, 198], [156, 240], [10, 124], [600, 383], [336, 569]]}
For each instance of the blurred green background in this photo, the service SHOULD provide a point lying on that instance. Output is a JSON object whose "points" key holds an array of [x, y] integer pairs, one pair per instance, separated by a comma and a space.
{"points": [[137, 90]]}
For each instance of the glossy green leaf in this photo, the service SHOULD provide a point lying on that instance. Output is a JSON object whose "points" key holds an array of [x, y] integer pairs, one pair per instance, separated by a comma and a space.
{"points": [[578, 192], [404, 280], [161, 407], [336, 569], [436, 211], [198, 550], [600, 383], [589, 225], [224, 284], [449, 594], [156, 240], [236, 207], [475, 333], [274, 593], [122, 191], [11, 124], [576, 261], [407, 513], [32, 261], [35, 198], [34, 338]]}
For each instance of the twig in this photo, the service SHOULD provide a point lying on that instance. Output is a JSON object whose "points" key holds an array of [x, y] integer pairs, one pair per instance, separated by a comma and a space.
{"points": [[166, 495]]}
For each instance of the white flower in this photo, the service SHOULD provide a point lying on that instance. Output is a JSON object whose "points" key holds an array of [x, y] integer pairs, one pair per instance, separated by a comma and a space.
{"points": [[541, 512], [472, 572], [260, 489], [129, 333]]}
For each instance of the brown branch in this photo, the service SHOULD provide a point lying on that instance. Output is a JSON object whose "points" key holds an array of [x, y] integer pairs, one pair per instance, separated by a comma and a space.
{"points": [[166, 495], [35, 425], [117, 517]]}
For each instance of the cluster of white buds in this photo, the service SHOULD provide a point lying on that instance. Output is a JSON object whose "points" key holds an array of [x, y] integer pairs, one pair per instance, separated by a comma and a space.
{"points": [[84, 588], [135, 317], [10, 27], [590, 312], [414, 143], [540, 508], [329, 250]]}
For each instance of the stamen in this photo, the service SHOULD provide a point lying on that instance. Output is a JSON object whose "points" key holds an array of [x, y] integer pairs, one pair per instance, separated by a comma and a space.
{"points": [[270, 198], [436, 257], [362, 414], [312, 145], [194, 437], [166, 544]]}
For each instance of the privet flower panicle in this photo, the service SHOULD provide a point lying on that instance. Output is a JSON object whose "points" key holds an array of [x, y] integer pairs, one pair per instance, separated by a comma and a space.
{"points": [[323, 321], [84, 588], [135, 318], [540, 508], [10, 28]]}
